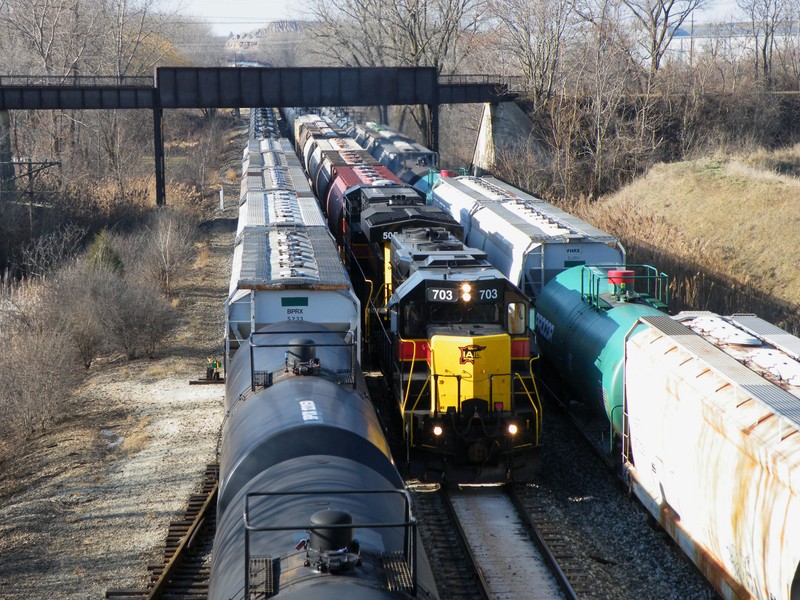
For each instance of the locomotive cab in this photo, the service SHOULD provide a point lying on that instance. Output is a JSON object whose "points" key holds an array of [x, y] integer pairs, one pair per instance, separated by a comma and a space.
{"points": [[459, 334]]}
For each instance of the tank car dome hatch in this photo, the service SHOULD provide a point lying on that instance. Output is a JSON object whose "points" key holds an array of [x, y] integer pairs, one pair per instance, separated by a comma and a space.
{"points": [[301, 357], [322, 537], [330, 547]]}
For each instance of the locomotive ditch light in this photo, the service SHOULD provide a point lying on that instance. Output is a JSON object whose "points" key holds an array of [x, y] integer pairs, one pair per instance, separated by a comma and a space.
{"points": [[437, 430], [512, 428], [466, 288]]}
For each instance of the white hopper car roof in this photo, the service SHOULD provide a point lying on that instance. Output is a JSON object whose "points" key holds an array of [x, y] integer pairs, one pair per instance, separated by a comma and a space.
{"points": [[752, 354], [714, 415], [532, 216], [272, 164], [278, 208], [277, 258], [288, 273], [525, 237]]}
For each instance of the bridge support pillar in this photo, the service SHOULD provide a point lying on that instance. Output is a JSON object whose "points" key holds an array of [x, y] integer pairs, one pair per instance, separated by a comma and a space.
{"points": [[158, 142]]}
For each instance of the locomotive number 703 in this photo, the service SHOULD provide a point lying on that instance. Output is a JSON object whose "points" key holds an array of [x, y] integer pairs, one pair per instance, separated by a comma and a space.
{"points": [[443, 295]]}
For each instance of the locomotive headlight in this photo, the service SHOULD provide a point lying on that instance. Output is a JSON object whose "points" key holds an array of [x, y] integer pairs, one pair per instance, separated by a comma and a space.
{"points": [[466, 296], [512, 428], [437, 430], [466, 288]]}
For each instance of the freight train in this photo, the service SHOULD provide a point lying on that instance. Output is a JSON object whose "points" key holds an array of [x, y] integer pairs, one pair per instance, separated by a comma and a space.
{"points": [[704, 412], [310, 502], [700, 411], [452, 334], [526, 238]]}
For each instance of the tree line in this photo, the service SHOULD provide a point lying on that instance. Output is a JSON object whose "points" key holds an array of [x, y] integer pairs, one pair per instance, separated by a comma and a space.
{"points": [[604, 82]]}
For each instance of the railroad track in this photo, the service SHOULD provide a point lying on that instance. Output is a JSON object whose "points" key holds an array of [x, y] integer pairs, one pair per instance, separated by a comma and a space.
{"points": [[488, 543], [185, 566], [514, 558], [457, 576]]}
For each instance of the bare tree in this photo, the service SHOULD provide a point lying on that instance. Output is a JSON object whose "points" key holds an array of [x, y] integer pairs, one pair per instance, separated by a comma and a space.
{"points": [[659, 20], [133, 315], [766, 18], [44, 254], [157, 254], [38, 363], [413, 33], [533, 32]]}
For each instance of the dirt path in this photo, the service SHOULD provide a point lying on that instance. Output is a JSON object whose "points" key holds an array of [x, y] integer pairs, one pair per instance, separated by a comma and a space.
{"points": [[87, 506]]}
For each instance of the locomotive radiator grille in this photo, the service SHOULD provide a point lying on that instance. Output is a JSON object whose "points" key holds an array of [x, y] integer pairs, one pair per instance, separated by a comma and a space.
{"points": [[398, 575], [260, 578]]}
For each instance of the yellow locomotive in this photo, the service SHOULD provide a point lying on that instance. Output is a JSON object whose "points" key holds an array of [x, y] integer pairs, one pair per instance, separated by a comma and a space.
{"points": [[455, 342]]}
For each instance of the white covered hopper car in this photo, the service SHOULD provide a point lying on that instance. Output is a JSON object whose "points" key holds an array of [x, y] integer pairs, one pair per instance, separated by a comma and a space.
{"points": [[528, 239], [712, 411], [286, 265]]}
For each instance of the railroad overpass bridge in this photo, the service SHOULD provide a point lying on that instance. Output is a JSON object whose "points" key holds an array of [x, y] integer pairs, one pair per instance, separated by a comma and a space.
{"points": [[245, 87]]}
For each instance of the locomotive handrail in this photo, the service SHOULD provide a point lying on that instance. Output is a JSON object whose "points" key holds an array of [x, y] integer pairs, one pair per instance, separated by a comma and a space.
{"points": [[367, 329], [535, 387], [657, 283], [409, 525], [458, 389], [352, 345], [410, 371], [537, 406]]}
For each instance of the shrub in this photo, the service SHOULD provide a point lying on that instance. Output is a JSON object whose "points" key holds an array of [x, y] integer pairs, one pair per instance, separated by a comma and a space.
{"points": [[133, 314], [162, 249], [38, 370], [102, 253]]}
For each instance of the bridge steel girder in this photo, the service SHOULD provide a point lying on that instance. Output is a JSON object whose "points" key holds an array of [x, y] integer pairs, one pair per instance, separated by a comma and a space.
{"points": [[75, 97], [244, 87], [232, 87]]}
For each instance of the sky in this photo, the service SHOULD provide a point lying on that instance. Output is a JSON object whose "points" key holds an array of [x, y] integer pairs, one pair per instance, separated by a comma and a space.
{"points": [[238, 16]]}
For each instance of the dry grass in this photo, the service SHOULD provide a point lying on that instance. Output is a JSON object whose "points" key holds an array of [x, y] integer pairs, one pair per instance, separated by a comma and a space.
{"points": [[725, 228], [202, 256], [164, 368], [137, 438]]}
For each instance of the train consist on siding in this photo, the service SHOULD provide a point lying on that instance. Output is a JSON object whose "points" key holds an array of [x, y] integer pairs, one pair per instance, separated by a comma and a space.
{"points": [[526, 238], [310, 502], [451, 332], [707, 412], [701, 410]]}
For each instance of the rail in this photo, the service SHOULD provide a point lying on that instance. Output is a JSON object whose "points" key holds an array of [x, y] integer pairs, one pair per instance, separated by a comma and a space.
{"points": [[189, 541], [540, 541], [461, 537]]}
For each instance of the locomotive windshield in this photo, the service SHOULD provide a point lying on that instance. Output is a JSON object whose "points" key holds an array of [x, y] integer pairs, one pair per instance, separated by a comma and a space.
{"points": [[464, 313], [418, 316]]}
